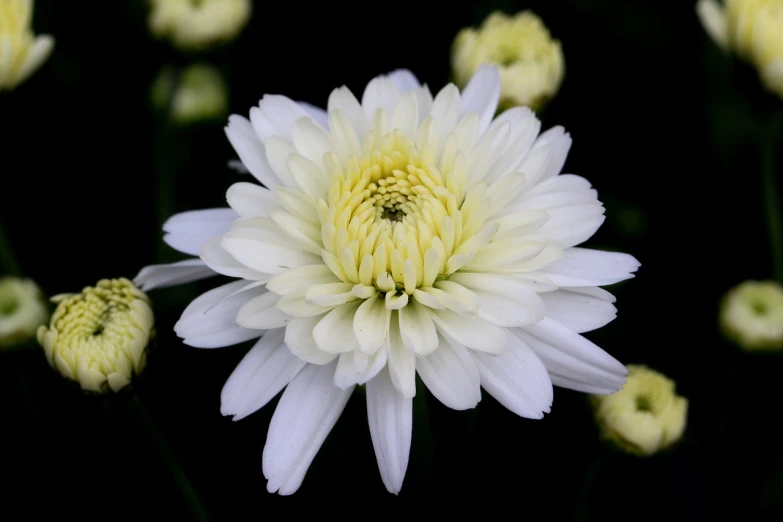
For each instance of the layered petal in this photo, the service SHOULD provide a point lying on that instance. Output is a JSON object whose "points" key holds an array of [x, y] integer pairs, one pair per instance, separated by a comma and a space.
{"points": [[181, 272], [306, 413], [188, 231]]}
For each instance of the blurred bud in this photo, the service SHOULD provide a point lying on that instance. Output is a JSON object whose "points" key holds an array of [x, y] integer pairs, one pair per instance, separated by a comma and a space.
{"points": [[530, 62], [99, 337], [752, 315], [199, 94], [198, 24], [21, 52], [646, 416], [23, 309], [753, 30]]}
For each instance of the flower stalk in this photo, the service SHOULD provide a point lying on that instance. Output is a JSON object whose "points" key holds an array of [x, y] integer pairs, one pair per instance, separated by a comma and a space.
{"points": [[772, 197]]}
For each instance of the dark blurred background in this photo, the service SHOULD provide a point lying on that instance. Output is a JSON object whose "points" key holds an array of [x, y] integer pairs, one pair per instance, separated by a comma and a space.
{"points": [[664, 128]]}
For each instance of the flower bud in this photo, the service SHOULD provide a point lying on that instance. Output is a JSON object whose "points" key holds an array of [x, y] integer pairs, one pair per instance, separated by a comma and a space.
{"points": [[21, 52], [198, 24], [22, 310], [752, 315], [99, 337]]}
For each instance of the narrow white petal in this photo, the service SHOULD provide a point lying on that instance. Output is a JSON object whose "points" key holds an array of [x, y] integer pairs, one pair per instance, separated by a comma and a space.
{"points": [[311, 141], [162, 276], [216, 258], [357, 368], [405, 80], [317, 113], [471, 331], [418, 329], [306, 413], [250, 150], [402, 362], [371, 324], [210, 320], [266, 255], [187, 231], [481, 95], [380, 93], [266, 369], [261, 313], [517, 380], [334, 333], [451, 374], [250, 200], [560, 142], [390, 416], [569, 355], [281, 113], [300, 340], [579, 311], [303, 276], [503, 301], [344, 100], [585, 267]]}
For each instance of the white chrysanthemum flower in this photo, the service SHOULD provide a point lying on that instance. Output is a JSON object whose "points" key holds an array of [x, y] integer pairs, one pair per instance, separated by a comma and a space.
{"points": [[393, 236], [21, 52]]}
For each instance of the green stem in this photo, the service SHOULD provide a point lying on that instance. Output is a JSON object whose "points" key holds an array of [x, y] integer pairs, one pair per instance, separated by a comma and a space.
{"points": [[8, 263], [587, 486], [165, 172], [142, 417], [771, 198]]}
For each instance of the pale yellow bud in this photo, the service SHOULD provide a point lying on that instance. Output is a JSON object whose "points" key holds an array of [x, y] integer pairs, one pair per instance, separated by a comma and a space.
{"points": [[530, 62], [752, 315], [753, 30], [646, 416], [198, 24], [99, 337], [22, 310], [21, 52], [199, 94]]}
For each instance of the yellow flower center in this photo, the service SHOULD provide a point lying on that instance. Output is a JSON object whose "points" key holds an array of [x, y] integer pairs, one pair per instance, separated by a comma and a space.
{"points": [[392, 219]]}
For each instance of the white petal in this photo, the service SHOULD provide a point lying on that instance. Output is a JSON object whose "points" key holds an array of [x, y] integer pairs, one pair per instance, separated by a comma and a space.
{"points": [[577, 310], [390, 417], [306, 413], [358, 368], [450, 373], [404, 80], [334, 333], [445, 111], [301, 277], [299, 338], [317, 113], [569, 355], [471, 331], [187, 231], [560, 144], [712, 16], [380, 93], [266, 369], [162, 276], [503, 301], [417, 329], [216, 258], [481, 95], [585, 267], [517, 380], [210, 320], [280, 112], [261, 313], [402, 362], [572, 226], [344, 100], [250, 150], [311, 141], [267, 255], [250, 200], [371, 324]]}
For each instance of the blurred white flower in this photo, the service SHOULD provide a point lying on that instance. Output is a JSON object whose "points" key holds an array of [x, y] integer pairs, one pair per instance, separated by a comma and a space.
{"points": [[646, 416], [393, 236], [530, 62], [198, 94], [752, 315], [22, 310], [21, 52], [99, 337], [753, 29], [198, 24]]}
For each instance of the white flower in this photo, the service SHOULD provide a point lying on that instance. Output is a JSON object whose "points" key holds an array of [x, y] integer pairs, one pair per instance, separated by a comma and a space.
{"points": [[21, 52], [398, 235], [198, 24]]}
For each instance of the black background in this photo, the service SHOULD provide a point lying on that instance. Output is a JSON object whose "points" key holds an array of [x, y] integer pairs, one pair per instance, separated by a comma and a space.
{"points": [[664, 128]]}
